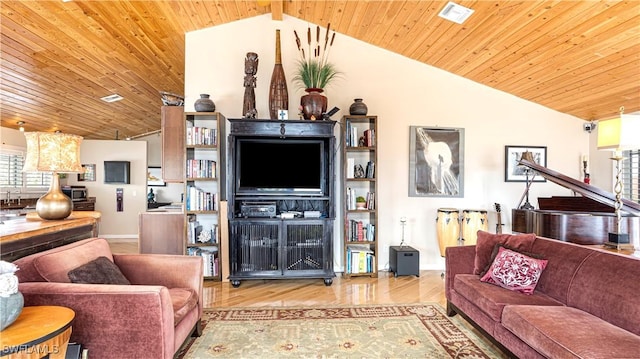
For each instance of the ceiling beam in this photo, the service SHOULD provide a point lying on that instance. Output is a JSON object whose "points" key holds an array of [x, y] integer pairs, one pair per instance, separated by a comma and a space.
{"points": [[276, 10]]}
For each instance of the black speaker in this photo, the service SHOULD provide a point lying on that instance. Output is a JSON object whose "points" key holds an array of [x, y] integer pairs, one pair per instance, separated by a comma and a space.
{"points": [[404, 260]]}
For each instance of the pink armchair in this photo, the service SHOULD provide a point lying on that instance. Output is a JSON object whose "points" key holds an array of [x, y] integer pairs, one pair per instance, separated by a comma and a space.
{"points": [[151, 318]]}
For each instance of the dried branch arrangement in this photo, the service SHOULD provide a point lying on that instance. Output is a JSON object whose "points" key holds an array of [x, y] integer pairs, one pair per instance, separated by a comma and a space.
{"points": [[314, 68]]}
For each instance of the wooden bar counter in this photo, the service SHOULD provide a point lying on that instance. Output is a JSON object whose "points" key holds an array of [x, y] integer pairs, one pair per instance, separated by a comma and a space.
{"points": [[31, 234]]}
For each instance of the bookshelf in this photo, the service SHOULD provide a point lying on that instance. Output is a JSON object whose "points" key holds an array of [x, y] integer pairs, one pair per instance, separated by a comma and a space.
{"points": [[204, 187], [360, 220]]}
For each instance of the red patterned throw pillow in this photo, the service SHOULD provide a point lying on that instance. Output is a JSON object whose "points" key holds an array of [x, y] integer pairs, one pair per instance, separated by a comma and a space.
{"points": [[487, 241], [515, 271]]}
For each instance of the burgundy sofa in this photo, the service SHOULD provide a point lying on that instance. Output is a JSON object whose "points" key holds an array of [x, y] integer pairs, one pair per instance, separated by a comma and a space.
{"points": [[586, 303], [149, 318]]}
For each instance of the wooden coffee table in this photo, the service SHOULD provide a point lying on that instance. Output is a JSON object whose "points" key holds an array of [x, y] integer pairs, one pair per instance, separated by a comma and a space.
{"points": [[39, 331]]}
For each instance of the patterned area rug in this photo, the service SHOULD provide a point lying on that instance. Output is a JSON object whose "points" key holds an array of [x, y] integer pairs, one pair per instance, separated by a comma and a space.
{"points": [[372, 331]]}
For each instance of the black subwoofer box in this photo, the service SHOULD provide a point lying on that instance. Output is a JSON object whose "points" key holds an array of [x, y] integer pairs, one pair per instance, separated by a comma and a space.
{"points": [[404, 260]]}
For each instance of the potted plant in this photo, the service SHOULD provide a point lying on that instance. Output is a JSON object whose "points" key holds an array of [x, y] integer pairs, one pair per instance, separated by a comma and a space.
{"points": [[314, 72], [360, 202]]}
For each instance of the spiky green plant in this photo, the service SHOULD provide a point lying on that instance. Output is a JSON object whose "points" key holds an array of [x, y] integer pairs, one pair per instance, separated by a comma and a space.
{"points": [[315, 71]]}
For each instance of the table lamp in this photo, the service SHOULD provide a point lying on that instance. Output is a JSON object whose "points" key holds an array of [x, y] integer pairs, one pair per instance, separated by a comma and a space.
{"points": [[528, 156], [619, 134], [54, 153]]}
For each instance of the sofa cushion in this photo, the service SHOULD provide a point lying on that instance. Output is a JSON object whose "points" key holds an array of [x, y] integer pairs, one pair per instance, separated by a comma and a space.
{"points": [[565, 332], [607, 285], [487, 241], [55, 266], [98, 271], [491, 299], [183, 300], [515, 271], [564, 259]]}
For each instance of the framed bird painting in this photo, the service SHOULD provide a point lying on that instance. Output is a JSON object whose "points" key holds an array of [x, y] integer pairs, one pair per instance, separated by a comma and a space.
{"points": [[436, 162]]}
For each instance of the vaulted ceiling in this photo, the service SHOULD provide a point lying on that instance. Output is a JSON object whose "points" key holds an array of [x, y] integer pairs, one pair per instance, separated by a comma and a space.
{"points": [[58, 58]]}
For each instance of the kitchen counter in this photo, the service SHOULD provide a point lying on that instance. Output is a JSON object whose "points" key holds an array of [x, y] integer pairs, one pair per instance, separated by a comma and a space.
{"points": [[31, 234]]}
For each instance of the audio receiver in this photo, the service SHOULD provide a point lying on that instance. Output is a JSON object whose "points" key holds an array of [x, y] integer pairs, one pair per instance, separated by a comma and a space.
{"points": [[258, 209]]}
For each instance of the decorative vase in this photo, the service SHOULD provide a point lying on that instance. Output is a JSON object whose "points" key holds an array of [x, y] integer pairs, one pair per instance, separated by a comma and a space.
{"points": [[204, 104], [358, 107], [10, 309], [278, 95], [313, 104]]}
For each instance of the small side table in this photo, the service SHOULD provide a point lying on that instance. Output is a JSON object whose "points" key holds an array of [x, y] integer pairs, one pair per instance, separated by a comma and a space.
{"points": [[404, 260], [39, 331]]}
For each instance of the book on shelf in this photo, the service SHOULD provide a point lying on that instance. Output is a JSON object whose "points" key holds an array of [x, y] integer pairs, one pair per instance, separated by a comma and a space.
{"points": [[370, 171], [369, 136], [201, 136], [198, 234], [360, 259], [200, 200], [201, 168], [351, 163], [352, 136], [370, 200], [209, 257], [359, 231], [194, 232]]}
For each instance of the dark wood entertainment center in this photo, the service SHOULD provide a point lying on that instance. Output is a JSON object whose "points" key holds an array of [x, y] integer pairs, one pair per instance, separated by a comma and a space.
{"points": [[294, 239]]}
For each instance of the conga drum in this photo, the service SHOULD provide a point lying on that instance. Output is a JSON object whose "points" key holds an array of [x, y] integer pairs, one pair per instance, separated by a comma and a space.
{"points": [[472, 221], [448, 225]]}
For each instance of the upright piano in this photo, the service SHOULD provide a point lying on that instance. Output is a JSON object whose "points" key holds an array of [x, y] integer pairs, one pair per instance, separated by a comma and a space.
{"points": [[586, 218]]}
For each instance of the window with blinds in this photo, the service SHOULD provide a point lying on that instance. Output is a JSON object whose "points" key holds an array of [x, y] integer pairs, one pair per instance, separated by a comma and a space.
{"points": [[631, 175], [11, 175]]}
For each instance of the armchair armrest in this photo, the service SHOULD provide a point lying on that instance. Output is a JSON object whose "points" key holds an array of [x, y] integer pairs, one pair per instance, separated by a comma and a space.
{"points": [[171, 271], [144, 314], [458, 260]]}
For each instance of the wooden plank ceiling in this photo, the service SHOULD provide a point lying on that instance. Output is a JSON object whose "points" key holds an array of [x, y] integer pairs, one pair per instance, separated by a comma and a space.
{"points": [[58, 58]]}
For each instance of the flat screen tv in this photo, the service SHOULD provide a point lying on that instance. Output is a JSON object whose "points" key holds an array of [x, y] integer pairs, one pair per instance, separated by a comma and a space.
{"points": [[116, 172], [280, 166]]}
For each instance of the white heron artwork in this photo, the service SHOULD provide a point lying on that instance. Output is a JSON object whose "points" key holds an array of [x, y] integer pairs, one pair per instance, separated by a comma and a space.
{"points": [[436, 162]]}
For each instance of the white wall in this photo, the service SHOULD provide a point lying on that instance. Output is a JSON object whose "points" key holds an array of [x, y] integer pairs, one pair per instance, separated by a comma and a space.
{"points": [[114, 224], [402, 93]]}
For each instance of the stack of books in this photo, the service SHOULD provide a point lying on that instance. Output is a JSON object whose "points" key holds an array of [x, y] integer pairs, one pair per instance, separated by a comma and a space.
{"points": [[201, 169], [199, 200], [360, 259], [360, 231], [201, 136]]}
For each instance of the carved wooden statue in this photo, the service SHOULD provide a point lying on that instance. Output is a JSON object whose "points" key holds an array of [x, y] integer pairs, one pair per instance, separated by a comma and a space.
{"points": [[250, 70]]}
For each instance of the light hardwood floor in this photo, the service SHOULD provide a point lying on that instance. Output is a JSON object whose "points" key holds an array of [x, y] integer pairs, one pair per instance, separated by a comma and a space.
{"points": [[386, 289]]}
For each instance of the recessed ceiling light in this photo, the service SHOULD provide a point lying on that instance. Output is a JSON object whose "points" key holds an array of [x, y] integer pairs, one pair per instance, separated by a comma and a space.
{"points": [[112, 98], [456, 13]]}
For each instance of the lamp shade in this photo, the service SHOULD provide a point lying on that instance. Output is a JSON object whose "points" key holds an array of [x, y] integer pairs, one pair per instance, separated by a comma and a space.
{"points": [[528, 156], [52, 152], [619, 133]]}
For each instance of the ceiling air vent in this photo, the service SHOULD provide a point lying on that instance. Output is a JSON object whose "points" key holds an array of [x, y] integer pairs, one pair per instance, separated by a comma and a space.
{"points": [[112, 98], [456, 13]]}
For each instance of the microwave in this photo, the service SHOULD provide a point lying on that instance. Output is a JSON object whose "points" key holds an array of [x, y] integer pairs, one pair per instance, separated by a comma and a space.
{"points": [[75, 193]]}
